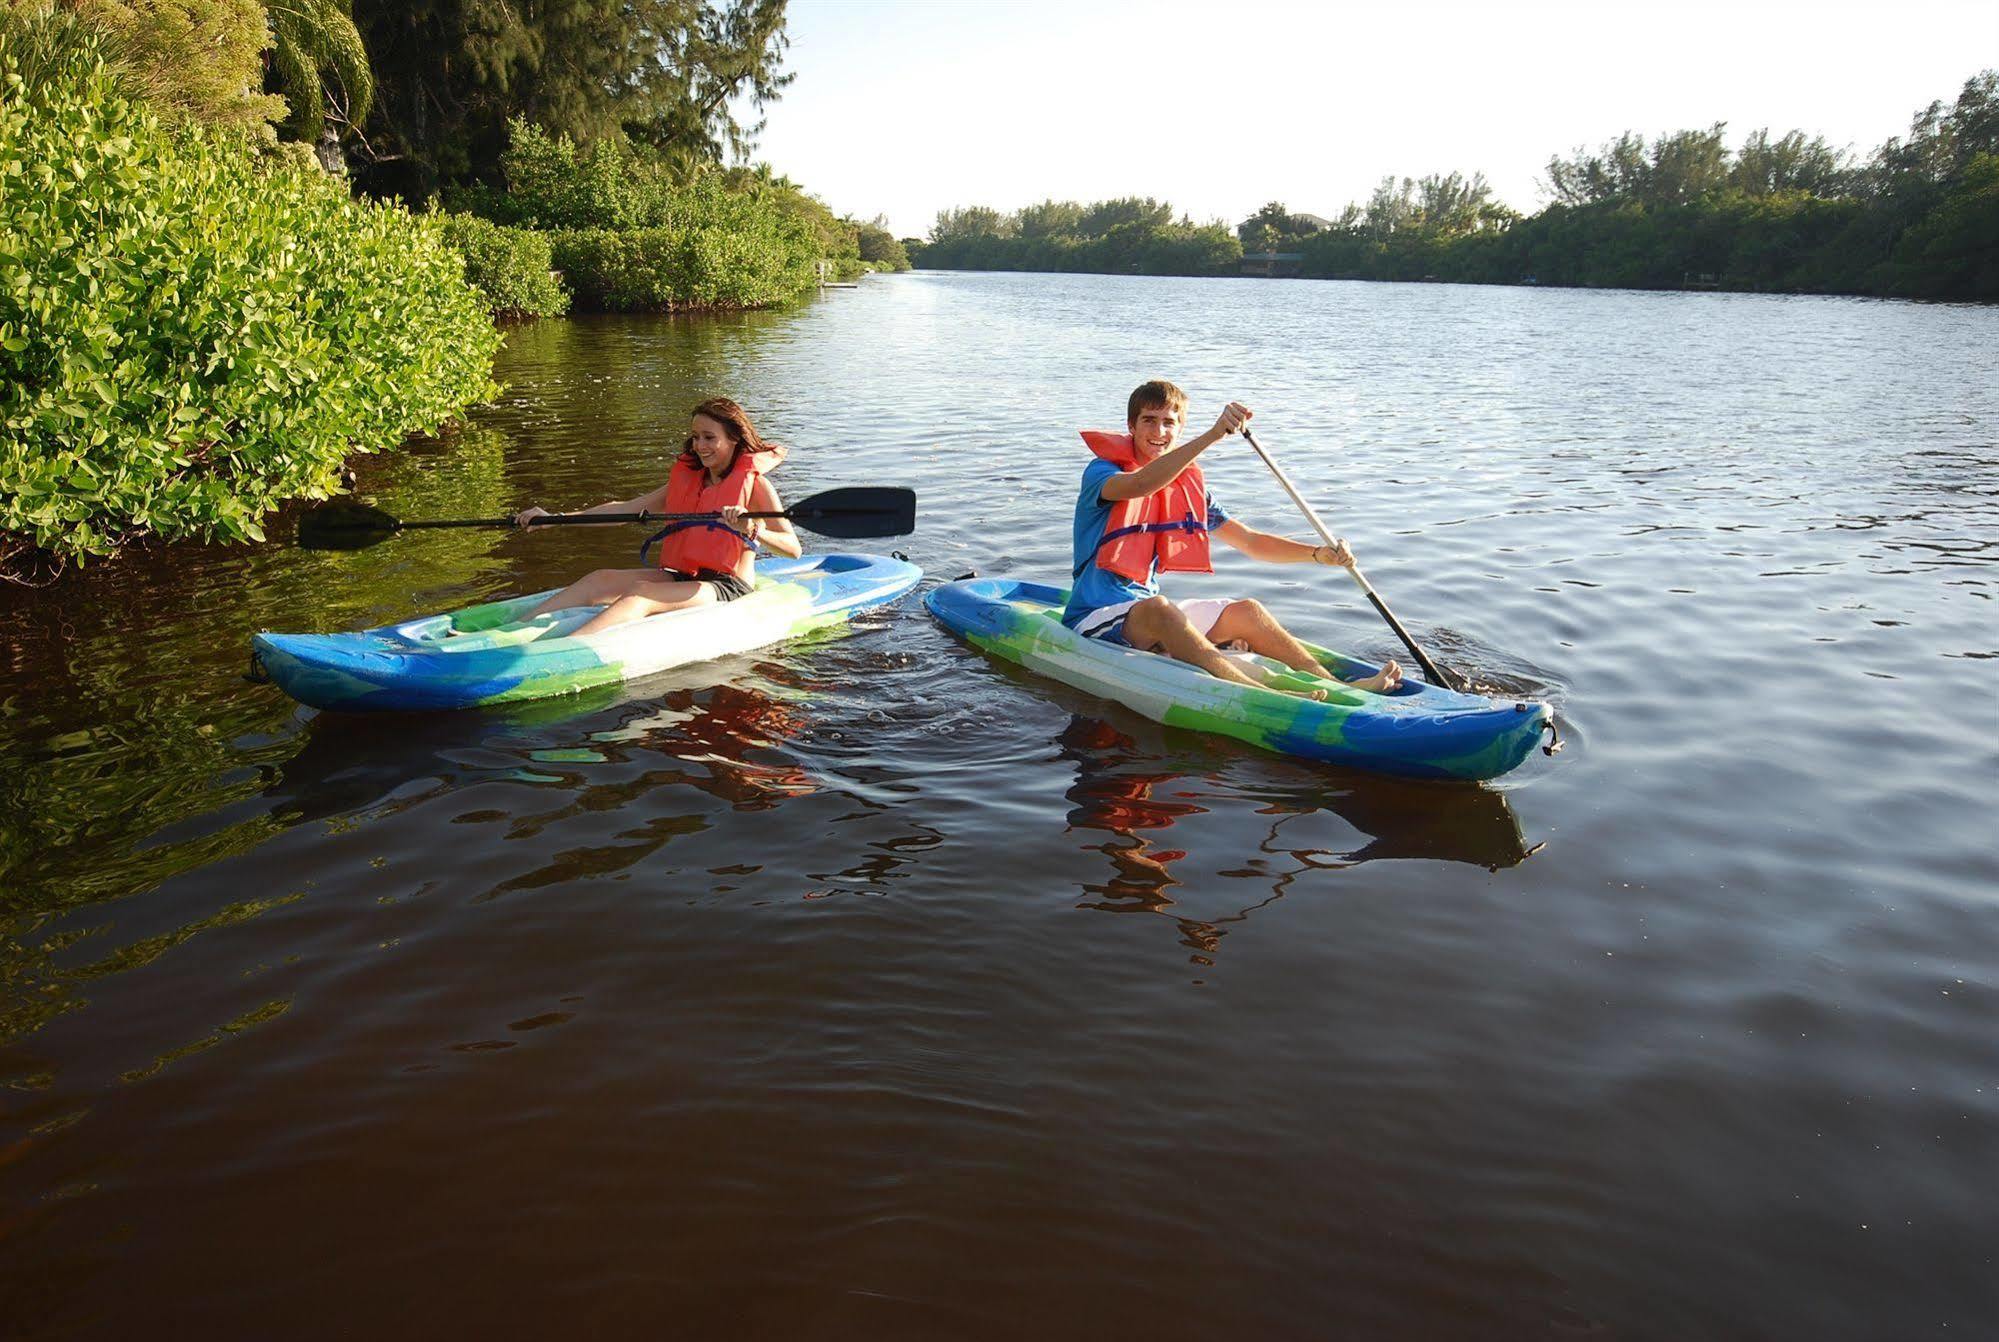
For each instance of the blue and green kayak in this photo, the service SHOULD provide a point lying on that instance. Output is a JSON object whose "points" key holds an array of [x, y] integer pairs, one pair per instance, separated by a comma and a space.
{"points": [[1419, 731], [492, 654]]}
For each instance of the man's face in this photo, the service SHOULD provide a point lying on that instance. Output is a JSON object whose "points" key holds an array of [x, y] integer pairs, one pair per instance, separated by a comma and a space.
{"points": [[1155, 431]]}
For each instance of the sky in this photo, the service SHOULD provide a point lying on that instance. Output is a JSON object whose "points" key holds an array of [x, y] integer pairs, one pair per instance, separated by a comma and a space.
{"points": [[905, 107]]}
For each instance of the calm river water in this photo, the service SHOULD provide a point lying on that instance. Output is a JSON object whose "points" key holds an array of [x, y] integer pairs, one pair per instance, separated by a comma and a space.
{"points": [[868, 988]]}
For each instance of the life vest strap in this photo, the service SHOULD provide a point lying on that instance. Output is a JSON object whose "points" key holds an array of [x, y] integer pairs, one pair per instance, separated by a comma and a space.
{"points": [[1187, 523], [672, 527]]}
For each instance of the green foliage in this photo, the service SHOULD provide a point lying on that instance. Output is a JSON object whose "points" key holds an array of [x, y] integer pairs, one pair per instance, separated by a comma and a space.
{"points": [[1130, 236], [1954, 251], [1684, 166], [197, 61], [189, 334], [678, 268], [879, 249], [551, 181], [311, 38], [675, 74], [626, 237], [512, 267]]}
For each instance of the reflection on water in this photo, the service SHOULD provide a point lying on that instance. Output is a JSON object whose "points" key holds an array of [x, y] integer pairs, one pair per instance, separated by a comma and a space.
{"points": [[1135, 794]]}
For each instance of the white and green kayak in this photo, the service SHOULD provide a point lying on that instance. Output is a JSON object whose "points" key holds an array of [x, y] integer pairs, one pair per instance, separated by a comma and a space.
{"points": [[492, 654], [1420, 731]]}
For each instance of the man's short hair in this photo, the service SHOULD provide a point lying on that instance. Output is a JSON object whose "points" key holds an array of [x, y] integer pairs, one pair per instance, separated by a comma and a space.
{"points": [[1155, 395]]}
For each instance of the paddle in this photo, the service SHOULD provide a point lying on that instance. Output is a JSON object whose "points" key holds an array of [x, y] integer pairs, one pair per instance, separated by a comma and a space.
{"points": [[845, 514], [1430, 668]]}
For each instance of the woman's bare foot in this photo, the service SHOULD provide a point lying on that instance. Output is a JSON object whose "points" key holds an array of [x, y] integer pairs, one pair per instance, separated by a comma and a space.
{"points": [[1386, 681]]}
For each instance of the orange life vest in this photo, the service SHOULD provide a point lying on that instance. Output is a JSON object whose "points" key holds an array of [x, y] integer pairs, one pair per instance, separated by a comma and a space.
{"points": [[691, 545], [1167, 528]]}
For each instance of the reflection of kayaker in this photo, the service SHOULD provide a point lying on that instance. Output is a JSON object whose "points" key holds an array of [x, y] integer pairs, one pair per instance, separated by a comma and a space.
{"points": [[1144, 507], [721, 468], [1119, 781]]}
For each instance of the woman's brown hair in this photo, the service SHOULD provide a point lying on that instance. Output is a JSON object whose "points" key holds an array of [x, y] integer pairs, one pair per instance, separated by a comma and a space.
{"points": [[735, 421]]}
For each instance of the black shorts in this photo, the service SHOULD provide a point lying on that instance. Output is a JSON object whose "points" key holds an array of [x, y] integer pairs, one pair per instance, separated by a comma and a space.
{"points": [[727, 585]]}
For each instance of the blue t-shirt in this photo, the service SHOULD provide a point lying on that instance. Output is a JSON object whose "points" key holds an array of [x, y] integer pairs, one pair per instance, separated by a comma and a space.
{"points": [[1095, 586]]}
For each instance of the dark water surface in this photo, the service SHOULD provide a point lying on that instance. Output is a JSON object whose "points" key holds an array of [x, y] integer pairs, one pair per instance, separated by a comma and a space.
{"points": [[866, 988]]}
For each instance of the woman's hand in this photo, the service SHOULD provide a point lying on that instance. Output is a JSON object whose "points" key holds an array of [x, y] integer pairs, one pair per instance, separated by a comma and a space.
{"points": [[1234, 415], [1335, 554], [738, 519], [527, 515]]}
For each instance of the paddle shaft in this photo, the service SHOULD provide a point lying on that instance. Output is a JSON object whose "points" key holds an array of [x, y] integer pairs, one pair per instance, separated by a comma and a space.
{"points": [[572, 519], [1430, 668]]}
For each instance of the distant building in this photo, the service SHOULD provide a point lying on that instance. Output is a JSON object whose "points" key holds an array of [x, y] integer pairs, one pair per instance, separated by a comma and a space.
{"points": [[1306, 223]]}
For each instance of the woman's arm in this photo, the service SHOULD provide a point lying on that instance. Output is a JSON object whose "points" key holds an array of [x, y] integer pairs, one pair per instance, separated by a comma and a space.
{"points": [[651, 502], [773, 533]]}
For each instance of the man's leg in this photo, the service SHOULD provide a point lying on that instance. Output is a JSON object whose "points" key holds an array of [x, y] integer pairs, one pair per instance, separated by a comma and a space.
{"points": [[1157, 625], [1256, 628]]}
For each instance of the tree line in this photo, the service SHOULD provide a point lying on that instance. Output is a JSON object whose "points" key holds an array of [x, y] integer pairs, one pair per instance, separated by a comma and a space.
{"points": [[1917, 218]]}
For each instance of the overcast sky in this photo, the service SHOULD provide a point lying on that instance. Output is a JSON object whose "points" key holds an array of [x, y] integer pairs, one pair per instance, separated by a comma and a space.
{"points": [[905, 107]]}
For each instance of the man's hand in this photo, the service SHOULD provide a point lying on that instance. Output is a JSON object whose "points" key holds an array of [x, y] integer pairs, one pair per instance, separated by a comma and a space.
{"points": [[1234, 415], [1335, 554]]}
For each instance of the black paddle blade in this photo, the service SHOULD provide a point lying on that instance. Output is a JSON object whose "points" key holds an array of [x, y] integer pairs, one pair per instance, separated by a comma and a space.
{"points": [[345, 525], [857, 511]]}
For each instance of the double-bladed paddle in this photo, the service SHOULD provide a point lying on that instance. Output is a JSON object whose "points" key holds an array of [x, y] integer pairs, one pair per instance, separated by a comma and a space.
{"points": [[844, 514], [1430, 669]]}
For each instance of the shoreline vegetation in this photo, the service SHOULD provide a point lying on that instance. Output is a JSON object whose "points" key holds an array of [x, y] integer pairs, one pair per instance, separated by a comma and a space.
{"points": [[1919, 218], [247, 239]]}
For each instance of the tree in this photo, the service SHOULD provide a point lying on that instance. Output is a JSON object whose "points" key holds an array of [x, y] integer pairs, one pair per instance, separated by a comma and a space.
{"points": [[1101, 218], [1390, 208], [317, 63], [449, 74], [1049, 219], [195, 60], [1764, 167], [972, 221]]}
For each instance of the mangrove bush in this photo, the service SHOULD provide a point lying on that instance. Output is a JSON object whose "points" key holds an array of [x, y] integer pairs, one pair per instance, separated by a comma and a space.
{"points": [[191, 333]]}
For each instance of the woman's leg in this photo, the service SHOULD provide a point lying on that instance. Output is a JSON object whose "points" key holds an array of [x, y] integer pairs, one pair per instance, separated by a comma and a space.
{"points": [[597, 588], [652, 598]]}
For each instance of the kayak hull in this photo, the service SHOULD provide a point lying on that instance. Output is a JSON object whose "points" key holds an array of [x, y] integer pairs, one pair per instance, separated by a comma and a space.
{"points": [[490, 654], [1420, 731]]}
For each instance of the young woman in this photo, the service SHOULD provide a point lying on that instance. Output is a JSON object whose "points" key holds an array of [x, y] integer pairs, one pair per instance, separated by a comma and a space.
{"points": [[720, 469]]}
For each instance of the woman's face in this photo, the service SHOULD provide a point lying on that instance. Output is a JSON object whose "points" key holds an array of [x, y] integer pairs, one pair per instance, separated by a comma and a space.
{"points": [[711, 442]]}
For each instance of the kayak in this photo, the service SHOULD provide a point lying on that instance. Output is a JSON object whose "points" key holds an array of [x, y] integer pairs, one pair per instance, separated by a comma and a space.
{"points": [[1419, 731], [493, 654]]}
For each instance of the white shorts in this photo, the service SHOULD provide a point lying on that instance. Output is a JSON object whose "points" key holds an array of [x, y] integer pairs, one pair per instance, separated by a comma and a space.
{"points": [[1107, 622]]}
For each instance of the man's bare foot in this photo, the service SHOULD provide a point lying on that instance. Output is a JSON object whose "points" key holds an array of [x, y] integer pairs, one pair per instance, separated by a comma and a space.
{"points": [[1386, 681]]}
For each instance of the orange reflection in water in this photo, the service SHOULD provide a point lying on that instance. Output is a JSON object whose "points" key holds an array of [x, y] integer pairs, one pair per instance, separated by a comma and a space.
{"points": [[1122, 789]]}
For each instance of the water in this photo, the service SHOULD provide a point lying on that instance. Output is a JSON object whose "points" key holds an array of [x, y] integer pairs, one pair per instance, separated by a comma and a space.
{"points": [[783, 996]]}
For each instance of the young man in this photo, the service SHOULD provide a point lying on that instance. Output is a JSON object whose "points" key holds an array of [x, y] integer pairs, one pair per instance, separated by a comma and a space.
{"points": [[1145, 508]]}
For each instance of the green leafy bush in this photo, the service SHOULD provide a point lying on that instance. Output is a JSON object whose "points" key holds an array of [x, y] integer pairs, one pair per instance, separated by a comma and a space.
{"points": [[627, 236], [675, 269], [189, 335], [512, 267]]}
